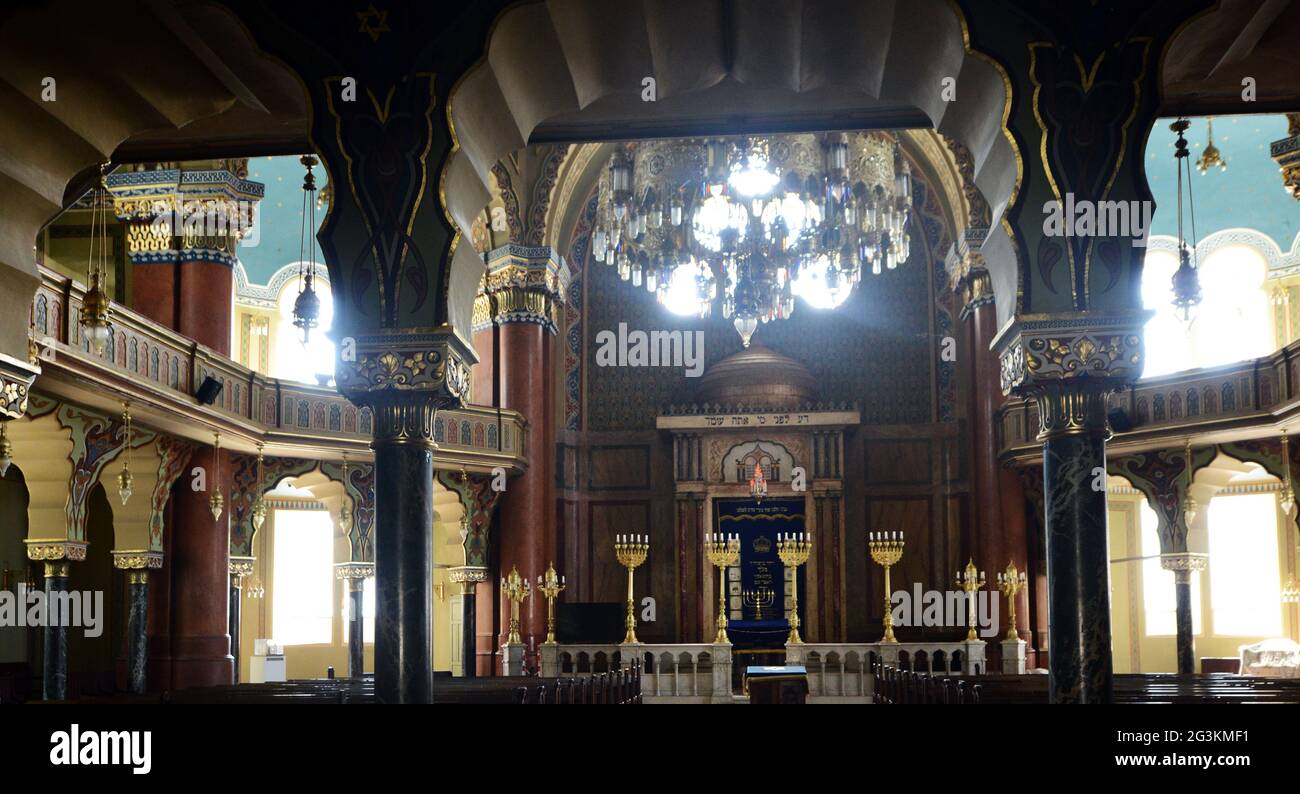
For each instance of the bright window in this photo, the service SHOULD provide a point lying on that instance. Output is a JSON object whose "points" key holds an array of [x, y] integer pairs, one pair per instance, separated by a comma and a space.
{"points": [[313, 361], [1159, 599], [1244, 590], [302, 607], [367, 612], [1231, 323]]}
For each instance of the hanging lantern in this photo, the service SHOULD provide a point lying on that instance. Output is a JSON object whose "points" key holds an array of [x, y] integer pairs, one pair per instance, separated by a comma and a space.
{"points": [[6, 452], [216, 502], [1186, 282], [259, 506], [95, 308], [306, 309], [125, 480], [1210, 155]]}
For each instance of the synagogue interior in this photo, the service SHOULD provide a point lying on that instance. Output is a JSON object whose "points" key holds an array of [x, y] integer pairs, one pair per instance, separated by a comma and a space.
{"points": [[709, 352]]}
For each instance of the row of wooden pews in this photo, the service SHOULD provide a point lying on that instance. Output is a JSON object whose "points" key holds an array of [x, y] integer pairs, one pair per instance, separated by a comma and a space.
{"points": [[618, 686], [902, 686]]}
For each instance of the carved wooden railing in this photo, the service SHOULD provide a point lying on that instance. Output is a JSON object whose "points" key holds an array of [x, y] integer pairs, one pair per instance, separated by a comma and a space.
{"points": [[1163, 410], [284, 412]]}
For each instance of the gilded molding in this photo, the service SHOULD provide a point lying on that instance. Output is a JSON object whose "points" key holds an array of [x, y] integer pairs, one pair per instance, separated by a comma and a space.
{"points": [[380, 366], [526, 285], [16, 378], [1184, 561], [1287, 154], [241, 566], [1047, 348], [467, 574], [55, 549], [135, 560], [354, 570]]}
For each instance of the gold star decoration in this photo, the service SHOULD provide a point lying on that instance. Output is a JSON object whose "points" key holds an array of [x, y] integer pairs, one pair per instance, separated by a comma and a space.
{"points": [[373, 22]]}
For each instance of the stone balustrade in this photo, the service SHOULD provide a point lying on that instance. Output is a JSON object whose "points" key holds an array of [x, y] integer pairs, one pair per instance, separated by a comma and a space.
{"points": [[670, 673]]}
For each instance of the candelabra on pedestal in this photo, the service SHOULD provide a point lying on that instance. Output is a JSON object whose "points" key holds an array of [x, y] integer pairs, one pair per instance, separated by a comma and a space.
{"points": [[794, 549], [516, 588], [970, 580], [886, 550], [631, 551], [759, 599], [1011, 582], [723, 551], [550, 585]]}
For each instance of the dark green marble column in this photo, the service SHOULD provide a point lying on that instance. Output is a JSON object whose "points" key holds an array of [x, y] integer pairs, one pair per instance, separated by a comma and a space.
{"points": [[1183, 618], [137, 628], [1074, 433], [356, 628], [55, 679]]}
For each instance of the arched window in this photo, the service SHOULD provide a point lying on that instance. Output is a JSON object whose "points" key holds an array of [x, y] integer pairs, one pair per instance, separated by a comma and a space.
{"points": [[1231, 324], [1245, 595], [312, 362]]}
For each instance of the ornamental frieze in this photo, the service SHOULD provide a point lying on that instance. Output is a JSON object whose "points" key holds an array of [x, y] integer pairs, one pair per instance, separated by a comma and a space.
{"points": [[1042, 351], [354, 570], [55, 550], [15, 386], [137, 560], [433, 363]]}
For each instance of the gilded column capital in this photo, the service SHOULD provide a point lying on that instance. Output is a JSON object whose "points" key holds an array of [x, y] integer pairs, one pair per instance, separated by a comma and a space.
{"points": [[1287, 154], [52, 549], [1041, 349], [16, 378], [1184, 561], [405, 377], [240, 567], [525, 284], [354, 570], [137, 560]]}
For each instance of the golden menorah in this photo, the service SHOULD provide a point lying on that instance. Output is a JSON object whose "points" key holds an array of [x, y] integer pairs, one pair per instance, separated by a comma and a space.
{"points": [[970, 580], [794, 549], [724, 552], [631, 551], [1011, 582], [550, 585], [758, 599], [516, 588], [886, 550]]}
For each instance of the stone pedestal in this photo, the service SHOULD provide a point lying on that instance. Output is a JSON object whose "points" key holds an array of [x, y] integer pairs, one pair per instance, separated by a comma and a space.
{"points": [[512, 658], [1014, 654], [722, 661], [549, 653]]}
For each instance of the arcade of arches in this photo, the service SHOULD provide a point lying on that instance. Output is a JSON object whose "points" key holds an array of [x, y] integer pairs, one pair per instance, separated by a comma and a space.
{"points": [[562, 330]]}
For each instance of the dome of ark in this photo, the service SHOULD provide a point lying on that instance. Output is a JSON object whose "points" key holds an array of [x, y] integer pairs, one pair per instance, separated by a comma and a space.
{"points": [[757, 377]]}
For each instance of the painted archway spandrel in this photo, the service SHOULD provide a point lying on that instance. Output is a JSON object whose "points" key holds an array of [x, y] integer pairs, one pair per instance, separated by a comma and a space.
{"points": [[96, 441], [360, 488], [174, 456], [477, 495]]}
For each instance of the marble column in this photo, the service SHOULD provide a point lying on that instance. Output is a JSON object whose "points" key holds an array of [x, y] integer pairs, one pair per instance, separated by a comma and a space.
{"points": [[57, 556], [354, 574], [527, 286], [1184, 564], [1074, 433], [55, 678], [200, 571], [137, 565], [468, 577], [239, 568]]}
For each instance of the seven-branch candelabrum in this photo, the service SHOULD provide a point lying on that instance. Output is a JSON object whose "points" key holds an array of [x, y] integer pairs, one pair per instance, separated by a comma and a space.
{"points": [[631, 551], [1011, 582], [970, 580], [516, 588], [550, 585], [793, 549], [724, 552], [759, 599], [886, 550]]}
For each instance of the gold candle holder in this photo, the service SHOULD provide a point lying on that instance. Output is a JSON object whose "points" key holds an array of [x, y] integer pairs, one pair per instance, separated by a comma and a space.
{"points": [[724, 552], [794, 549], [970, 580], [1011, 582], [886, 550], [516, 588], [550, 585], [758, 599], [631, 551]]}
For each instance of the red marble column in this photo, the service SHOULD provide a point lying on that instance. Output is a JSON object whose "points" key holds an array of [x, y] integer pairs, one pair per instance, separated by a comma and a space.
{"points": [[487, 595], [204, 300], [153, 291], [528, 505], [483, 375], [200, 563]]}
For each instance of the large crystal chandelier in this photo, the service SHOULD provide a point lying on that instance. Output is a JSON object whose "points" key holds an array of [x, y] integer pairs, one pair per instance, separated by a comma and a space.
{"points": [[772, 217]]}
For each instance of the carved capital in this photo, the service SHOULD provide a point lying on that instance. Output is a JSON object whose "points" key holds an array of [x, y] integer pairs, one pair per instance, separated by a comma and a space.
{"points": [[1184, 561], [1044, 349], [526, 285], [241, 566], [1287, 154], [428, 369], [467, 574], [51, 549], [137, 560], [354, 570], [1072, 408], [16, 379]]}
